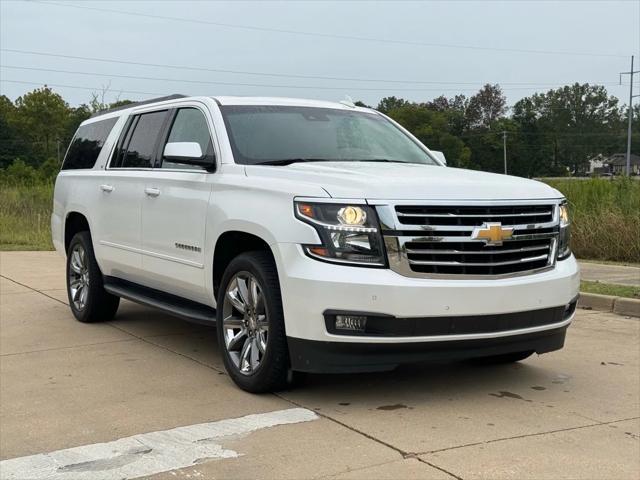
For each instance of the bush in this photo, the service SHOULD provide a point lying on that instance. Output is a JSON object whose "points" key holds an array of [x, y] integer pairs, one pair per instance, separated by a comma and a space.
{"points": [[21, 173]]}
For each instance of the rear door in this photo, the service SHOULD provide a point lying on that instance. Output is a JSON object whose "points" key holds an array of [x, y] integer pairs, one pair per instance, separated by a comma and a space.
{"points": [[174, 210], [122, 189]]}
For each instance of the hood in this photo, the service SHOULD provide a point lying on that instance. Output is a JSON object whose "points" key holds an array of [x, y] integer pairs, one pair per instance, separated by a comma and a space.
{"points": [[398, 181]]}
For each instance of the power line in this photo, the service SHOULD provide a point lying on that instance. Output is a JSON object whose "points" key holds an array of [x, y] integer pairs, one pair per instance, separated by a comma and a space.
{"points": [[138, 92], [280, 75], [91, 89], [259, 85], [328, 35], [554, 135]]}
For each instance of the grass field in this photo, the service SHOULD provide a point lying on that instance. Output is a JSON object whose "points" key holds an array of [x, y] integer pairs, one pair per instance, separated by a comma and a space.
{"points": [[25, 214], [628, 291], [605, 217]]}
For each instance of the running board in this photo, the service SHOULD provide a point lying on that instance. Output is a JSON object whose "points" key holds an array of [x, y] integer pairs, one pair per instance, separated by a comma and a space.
{"points": [[171, 304]]}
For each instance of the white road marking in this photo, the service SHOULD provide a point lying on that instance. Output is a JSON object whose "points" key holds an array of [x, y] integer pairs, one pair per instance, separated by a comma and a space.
{"points": [[147, 453]]}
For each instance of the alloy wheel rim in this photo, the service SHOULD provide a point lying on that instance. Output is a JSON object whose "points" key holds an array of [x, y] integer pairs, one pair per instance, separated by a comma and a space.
{"points": [[245, 322], [79, 277]]}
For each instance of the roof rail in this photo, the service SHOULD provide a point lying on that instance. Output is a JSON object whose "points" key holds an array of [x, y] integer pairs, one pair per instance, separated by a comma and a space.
{"points": [[137, 104]]}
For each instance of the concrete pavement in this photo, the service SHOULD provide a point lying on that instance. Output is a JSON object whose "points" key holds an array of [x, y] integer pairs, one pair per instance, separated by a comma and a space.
{"points": [[569, 414], [605, 273]]}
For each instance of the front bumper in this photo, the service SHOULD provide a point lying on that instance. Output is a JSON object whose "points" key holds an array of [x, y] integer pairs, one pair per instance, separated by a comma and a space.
{"points": [[311, 288], [338, 357]]}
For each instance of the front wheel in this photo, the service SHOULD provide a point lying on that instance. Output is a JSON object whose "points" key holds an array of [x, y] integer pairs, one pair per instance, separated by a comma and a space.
{"points": [[250, 324], [88, 299]]}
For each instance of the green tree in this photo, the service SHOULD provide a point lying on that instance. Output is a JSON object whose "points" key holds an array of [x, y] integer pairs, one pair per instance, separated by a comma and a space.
{"points": [[391, 103], [572, 123], [11, 143], [432, 128], [456, 111], [41, 117], [486, 106]]}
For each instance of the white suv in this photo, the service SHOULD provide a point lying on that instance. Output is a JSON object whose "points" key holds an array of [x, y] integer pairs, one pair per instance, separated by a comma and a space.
{"points": [[317, 236]]}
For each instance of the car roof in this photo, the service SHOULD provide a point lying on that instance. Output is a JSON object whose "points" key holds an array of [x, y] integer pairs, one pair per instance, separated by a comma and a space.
{"points": [[225, 100], [282, 101]]}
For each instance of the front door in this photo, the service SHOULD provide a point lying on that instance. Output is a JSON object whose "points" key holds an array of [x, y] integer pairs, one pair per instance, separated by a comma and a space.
{"points": [[174, 213]]}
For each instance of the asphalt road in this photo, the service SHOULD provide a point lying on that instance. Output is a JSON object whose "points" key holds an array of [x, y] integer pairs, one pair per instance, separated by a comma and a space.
{"points": [[569, 414]]}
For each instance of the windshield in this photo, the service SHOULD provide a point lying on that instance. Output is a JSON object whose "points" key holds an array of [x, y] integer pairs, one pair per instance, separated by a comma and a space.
{"points": [[281, 134]]}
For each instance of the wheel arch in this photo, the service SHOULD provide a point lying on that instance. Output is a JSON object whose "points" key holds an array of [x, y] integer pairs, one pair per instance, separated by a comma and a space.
{"points": [[229, 245], [74, 222]]}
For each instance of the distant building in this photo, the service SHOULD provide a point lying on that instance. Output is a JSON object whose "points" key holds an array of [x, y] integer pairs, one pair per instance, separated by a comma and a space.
{"points": [[598, 165], [618, 163], [615, 164]]}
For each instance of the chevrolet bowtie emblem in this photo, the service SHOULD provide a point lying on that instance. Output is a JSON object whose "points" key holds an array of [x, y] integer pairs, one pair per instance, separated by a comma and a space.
{"points": [[492, 233]]}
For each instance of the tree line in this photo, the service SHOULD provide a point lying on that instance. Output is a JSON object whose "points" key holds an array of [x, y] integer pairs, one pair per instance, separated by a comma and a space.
{"points": [[547, 134]]}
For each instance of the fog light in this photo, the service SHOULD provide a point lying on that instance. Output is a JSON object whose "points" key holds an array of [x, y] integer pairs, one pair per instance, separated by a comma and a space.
{"points": [[353, 323]]}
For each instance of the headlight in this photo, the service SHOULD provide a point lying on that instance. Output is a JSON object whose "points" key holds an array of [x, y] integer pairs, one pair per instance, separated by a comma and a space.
{"points": [[564, 248], [349, 233]]}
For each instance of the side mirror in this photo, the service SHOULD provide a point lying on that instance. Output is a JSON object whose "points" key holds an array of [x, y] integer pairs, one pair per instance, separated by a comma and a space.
{"points": [[188, 153], [439, 156]]}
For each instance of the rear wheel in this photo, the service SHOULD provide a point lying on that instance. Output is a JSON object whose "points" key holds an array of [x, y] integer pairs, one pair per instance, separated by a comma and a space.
{"points": [[88, 299], [250, 324]]}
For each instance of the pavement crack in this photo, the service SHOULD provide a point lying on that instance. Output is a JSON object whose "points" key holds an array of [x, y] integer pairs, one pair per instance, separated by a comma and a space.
{"points": [[145, 340], [433, 465], [67, 347], [106, 323], [33, 289], [402, 453], [598, 424]]}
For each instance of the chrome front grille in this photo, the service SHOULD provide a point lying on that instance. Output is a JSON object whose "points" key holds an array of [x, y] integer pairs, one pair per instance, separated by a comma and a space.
{"points": [[437, 240], [446, 216]]}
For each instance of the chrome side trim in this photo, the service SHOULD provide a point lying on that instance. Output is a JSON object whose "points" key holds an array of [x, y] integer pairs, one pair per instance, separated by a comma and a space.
{"points": [[151, 254]]}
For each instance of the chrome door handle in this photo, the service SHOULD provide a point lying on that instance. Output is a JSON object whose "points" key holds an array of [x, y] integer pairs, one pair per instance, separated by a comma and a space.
{"points": [[152, 192], [106, 188]]}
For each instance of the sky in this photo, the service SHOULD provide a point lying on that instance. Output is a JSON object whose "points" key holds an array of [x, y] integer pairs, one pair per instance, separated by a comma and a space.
{"points": [[367, 50]]}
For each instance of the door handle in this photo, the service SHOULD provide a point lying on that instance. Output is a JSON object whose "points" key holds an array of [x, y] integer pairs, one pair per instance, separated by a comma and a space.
{"points": [[152, 192], [106, 188]]}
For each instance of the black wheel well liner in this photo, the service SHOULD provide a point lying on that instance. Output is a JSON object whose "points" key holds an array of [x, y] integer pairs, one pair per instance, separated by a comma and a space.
{"points": [[231, 244], [74, 223]]}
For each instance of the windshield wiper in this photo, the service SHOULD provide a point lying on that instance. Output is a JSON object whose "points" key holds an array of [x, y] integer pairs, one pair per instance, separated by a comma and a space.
{"points": [[289, 161], [387, 160]]}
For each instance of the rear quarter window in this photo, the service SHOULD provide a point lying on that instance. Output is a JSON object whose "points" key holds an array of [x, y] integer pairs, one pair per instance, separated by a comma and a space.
{"points": [[87, 144]]}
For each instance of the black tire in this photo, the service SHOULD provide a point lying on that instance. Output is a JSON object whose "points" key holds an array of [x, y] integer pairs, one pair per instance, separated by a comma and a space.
{"points": [[99, 305], [272, 371], [504, 358]]}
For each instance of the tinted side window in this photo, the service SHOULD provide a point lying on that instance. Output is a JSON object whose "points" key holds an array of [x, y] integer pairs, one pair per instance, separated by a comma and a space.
{"points": [[189, 125], [141, 149], [87, 143]]}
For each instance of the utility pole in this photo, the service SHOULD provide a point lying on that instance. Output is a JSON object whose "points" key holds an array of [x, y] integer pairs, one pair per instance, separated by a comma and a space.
{"points": [[504, 149], [631, 73]]}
